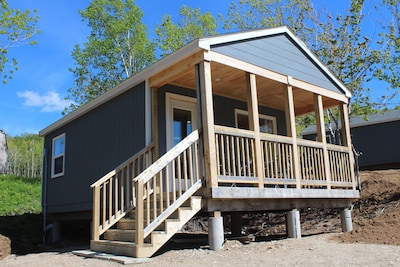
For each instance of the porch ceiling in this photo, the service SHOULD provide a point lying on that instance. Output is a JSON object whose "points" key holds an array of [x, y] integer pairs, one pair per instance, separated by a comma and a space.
{"points": [[231, 83]]}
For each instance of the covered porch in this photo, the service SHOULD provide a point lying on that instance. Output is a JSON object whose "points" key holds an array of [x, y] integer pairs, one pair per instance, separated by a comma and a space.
{"points": [[231, 160], [254, 156]]}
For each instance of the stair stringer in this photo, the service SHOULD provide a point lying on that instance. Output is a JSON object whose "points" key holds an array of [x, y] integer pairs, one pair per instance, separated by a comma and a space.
{"points": [[172, 226]]}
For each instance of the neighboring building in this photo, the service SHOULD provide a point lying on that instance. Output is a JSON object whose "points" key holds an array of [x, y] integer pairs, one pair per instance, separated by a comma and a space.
{"points": [[210, 127], [3, 152], [375, 137]]}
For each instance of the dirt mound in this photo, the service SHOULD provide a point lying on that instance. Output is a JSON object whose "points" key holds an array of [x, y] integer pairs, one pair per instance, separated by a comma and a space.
{"points": [[376, 215], [5, 246]]}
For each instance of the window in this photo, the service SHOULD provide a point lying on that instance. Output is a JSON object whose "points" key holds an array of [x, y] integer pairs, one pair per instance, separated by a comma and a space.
{"points": [[57, 157], [267, 123]]}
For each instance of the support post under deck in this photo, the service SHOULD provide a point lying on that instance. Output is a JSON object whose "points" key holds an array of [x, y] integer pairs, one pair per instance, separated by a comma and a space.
{"points": [[345, 217], [293, 224], [216, 231]]}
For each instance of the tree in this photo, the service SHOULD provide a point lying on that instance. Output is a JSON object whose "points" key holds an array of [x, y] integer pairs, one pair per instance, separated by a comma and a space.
{"points": [[16, 28], [25, 155], [253, 14], [390, 49], [192, 24], [338, 40], [116, 49]]}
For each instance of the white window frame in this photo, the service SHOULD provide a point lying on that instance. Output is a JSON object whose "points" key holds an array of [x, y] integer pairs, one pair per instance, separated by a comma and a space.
{"points": [[54, 157], [261, 116]]}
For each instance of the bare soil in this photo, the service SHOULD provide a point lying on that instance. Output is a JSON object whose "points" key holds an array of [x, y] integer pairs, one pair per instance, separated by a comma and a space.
{"points": [[375, 240]]}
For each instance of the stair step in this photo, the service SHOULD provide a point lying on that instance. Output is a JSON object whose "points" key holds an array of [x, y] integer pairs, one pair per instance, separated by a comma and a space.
{"points": [[126, 224], [114, 247], [120, 235], [120, 241]]}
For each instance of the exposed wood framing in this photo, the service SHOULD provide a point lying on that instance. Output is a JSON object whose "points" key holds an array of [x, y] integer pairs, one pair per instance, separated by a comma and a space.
{"points": [[175, 70], [155, 121], [291, 129], [207, 114], [254, 125], [321, 135], [239, 64], [344, 116]]}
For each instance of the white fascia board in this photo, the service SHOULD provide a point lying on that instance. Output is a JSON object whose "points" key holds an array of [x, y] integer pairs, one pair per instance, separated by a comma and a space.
{"points": [[207, 42], [129, 83]]}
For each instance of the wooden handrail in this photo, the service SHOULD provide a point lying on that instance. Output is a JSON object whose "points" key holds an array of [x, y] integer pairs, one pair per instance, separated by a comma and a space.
{"points": [[234, 154], [122, 165], [113, 194], [166, 185], [167, 157]]}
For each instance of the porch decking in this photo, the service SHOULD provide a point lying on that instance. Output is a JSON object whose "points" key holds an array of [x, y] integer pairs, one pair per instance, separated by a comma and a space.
{"points": [[160, 192], [280, 186]]}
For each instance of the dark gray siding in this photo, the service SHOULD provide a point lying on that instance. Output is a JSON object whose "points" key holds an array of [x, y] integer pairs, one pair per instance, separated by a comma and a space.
{"points": [[95, 143], [379, 144], [278, 53], [224, 112]]}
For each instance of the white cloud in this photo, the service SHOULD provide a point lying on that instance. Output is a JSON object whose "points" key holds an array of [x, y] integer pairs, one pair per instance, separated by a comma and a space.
{"points": [[49, 102]]}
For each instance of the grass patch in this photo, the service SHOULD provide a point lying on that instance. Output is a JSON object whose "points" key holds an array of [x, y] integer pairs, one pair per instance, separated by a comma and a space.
{"points": [[19, 195]]}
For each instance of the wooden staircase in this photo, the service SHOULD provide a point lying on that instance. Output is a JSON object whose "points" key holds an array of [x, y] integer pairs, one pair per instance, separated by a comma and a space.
{"points": [[121, 240], [141, 204]]}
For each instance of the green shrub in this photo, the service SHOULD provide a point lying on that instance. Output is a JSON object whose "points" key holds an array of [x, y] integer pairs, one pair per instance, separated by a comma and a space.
{"points": [[19, 195]]}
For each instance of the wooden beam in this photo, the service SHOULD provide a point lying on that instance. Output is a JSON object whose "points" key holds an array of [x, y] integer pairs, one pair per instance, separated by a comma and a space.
{"points": [[259, 71], [321, 135], [291, 130], [345, 121], [207, 116], [254, 125], [155, 122], [319, 90], [175, 71]]}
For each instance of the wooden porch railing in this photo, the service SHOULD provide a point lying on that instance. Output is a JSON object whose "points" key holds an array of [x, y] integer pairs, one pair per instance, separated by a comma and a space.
{"points": [[235, 158], [113, 196], [155, 190], [166, 185]]}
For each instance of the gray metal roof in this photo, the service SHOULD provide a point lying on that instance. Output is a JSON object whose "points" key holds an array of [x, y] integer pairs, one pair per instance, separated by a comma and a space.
{"points": [[359, 121]]}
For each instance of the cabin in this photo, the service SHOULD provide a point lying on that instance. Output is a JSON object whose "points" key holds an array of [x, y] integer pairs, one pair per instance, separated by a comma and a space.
{"points": [[375, 138], [211, 128], [3, 153]]}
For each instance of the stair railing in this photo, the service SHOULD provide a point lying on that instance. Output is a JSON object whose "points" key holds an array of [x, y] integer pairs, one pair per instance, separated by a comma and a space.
{"points": [[113, 194], [163, 187]]}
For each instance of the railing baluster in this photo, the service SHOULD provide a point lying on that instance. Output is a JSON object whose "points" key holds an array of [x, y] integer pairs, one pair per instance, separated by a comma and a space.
{"points": [[185, 170], [103, 222], [110, 200], [167, 181], [173, 178]]}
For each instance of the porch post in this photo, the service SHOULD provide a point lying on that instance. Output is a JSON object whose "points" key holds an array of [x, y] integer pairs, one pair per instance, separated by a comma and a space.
{"points": [[321, 135], [254, 125], [346, 135], [291, 129], [207, 123], [154, 125]]}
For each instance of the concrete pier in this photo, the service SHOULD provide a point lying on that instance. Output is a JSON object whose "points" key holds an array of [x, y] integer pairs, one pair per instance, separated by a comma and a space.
{"points": [[216, 231], [293, 224], [345, 217]]}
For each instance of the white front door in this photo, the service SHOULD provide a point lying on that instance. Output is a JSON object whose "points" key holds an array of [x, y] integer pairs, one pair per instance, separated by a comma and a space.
{"points": [[181, 118]]}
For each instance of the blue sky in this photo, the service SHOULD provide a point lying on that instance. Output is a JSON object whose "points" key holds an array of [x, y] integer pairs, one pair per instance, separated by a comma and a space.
{"points": [[34, 98]]}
